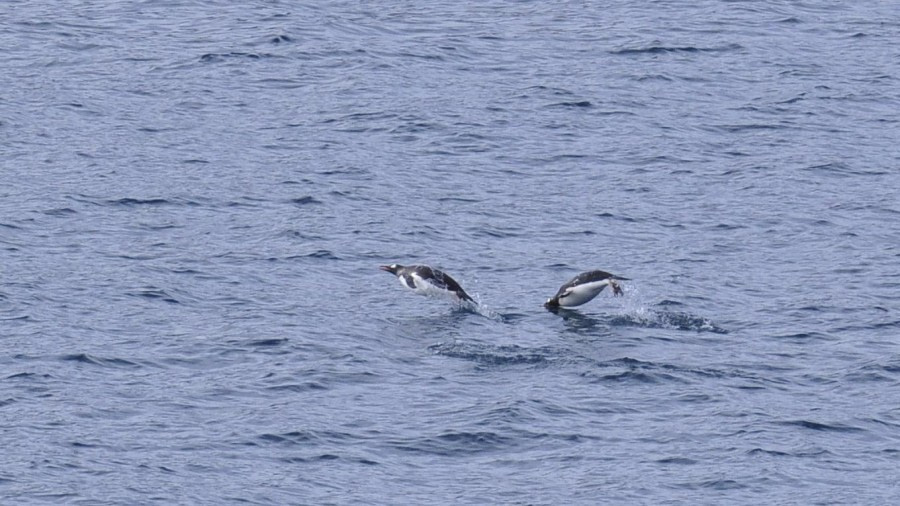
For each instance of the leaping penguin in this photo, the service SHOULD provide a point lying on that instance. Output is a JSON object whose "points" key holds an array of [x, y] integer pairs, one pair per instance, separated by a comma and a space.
{"points": [[584, 287], [425, 280]]}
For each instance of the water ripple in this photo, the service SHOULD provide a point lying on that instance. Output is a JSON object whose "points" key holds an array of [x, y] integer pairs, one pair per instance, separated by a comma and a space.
{"points": [[194, 198]]}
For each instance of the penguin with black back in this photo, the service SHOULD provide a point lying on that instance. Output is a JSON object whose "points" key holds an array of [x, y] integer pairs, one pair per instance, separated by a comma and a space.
{"points": [[428, 281], [583, 288]]}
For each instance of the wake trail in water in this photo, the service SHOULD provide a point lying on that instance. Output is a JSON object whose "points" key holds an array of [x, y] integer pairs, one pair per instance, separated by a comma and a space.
{"points": [[638, 313], [477, 306]]}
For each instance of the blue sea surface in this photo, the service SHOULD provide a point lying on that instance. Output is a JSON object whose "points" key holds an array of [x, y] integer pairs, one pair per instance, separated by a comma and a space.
{"points": [[195, 198]]}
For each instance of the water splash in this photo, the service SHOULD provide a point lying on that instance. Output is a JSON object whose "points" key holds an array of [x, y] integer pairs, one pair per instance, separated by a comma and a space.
{"points": [[638, 313], [651, 318], [480, 308]]}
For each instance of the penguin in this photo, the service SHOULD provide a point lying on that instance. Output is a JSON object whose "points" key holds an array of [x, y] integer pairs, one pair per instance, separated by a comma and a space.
{"points": [[584, 287], [425, 280]]}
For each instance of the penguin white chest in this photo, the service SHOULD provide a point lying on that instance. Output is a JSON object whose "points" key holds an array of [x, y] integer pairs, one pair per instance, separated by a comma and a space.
{"points": [[427, 288], [580, 294]]}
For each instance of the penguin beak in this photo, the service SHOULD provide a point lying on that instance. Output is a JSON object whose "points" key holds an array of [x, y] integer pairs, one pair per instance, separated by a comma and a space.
{"points": [[386, 268]]}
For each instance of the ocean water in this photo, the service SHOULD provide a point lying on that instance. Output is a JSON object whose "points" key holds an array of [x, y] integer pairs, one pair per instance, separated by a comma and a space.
{"points": [[195, 198]]}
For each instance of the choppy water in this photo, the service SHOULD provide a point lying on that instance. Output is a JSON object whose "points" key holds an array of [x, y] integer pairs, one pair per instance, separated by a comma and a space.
{"points": [[195, 197]]}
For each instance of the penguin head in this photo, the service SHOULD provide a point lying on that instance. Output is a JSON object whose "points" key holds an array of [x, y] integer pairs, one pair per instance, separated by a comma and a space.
{"points": [[393, 268]]}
